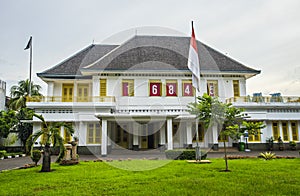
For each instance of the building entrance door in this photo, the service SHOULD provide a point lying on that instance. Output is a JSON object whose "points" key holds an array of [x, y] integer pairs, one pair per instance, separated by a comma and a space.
{"points": [[122, 136]]}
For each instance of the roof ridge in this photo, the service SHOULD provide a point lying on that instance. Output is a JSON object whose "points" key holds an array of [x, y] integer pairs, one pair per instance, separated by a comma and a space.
{"points": [[59, 64], [230, 58], [118, 46]]}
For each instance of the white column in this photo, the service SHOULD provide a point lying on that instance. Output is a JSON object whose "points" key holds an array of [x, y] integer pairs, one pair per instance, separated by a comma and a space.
{"points": [[50, 89], [215, 135], [280, 131], [170, 134], [264, 134], [189, 138], [290, 131], [82, 134], [135, 141], [96, 86], [162, 133], [104, 138]]}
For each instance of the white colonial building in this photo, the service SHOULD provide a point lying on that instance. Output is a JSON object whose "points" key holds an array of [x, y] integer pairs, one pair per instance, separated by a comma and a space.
{"points": [[135, 96]]}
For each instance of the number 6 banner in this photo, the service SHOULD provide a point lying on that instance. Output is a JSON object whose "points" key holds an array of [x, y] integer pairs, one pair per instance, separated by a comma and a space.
{"points": [[155, 89]]}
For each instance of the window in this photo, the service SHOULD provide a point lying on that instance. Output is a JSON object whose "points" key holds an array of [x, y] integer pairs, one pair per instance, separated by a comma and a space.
{"points": [[285, 131], [155, 88], [275, 130], [128, 88], [175, 132], [67, 92], [294, 131], [83, 92], [236, 88], [93, 133], [254, 138], [212, 88], [102, 87], [171, 88], [187, 88], [200, 132]]}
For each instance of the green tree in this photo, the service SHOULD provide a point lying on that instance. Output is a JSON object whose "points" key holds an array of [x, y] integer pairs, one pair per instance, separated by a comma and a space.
{"points": [[20, 92], [212, 112], [23, 128], [7, 121], [51, 136]]}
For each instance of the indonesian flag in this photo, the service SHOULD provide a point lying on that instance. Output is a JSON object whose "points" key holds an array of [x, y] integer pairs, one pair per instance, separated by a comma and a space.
{"points": [[193, 62]]}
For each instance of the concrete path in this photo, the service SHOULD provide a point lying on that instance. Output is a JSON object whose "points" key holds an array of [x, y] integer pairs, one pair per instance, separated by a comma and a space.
{"points": [[13, 163]]}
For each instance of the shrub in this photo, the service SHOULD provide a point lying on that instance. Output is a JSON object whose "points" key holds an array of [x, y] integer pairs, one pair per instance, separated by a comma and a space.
{"points": [[2, 153], [184, 154], [36, 156], [268, 155]]}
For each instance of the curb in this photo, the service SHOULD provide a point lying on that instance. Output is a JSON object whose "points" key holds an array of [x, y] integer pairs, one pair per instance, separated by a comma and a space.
{"points": [[14, 156]]}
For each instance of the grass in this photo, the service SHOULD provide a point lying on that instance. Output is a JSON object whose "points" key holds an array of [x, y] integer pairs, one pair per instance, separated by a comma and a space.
{"points": [[247, 177]]}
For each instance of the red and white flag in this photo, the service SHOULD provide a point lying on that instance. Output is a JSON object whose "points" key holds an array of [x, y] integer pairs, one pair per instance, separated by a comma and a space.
{"points": [[193, 62]]}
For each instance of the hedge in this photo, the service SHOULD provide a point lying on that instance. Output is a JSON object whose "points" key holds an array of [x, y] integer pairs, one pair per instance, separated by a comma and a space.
{"points": [[184, 154]]}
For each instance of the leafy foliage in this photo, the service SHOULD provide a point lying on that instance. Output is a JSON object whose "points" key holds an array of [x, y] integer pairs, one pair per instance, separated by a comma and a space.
{"points": [[7, 122], [24, 129], [20, 92], [184, 154], [268, 155]]}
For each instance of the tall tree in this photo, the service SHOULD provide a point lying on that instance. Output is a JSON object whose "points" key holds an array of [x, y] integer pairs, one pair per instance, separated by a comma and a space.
{"points": [[212, 112], [50, 133], [20, 92]]}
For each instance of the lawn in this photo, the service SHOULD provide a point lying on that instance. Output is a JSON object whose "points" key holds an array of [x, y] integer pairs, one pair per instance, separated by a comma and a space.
{"points": [[247, 177]]}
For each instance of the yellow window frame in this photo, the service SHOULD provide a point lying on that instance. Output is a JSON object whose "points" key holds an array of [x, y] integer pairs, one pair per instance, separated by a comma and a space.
{"points": [[236, 88], [93, 133], [103, 87]]}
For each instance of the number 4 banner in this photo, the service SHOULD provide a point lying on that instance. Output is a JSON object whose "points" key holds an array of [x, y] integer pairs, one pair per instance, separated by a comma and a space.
{"points": [[187, 89]]}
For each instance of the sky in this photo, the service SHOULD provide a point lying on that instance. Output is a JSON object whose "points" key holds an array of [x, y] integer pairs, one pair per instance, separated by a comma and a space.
{"points": [[261, 34]]}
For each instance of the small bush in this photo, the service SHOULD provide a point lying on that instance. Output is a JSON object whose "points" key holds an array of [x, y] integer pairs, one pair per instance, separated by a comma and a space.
{"points": [[268, 155], [36, 156], [184, 154], [2, 153]]}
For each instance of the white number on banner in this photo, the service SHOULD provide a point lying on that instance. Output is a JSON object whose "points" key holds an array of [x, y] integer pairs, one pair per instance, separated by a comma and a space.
{"points": [[154, 89], [187, 90], [171, 89]]}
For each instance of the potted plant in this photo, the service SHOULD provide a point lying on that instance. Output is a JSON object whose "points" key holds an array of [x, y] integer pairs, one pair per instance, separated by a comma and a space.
{"points": [[280, 144], [293, 145], [270, 143]]}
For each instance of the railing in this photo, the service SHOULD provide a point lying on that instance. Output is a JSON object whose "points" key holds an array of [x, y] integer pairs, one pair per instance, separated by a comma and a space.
{"points": [[263, 99], [72, 99]]}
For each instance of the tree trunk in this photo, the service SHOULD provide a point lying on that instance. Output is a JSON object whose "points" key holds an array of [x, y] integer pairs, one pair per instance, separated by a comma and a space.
{"points": [[46, 159], [225, 151]]}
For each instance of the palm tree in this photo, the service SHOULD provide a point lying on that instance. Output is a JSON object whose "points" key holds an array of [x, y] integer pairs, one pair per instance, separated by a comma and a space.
{"points": [[50, 134], [19, 93]]}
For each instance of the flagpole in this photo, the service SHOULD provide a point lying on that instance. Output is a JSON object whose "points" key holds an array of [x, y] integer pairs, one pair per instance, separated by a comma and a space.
{"points": [[30, 68]]}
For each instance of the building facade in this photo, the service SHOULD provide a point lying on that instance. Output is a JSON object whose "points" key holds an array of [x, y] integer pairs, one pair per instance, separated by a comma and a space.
{"points": [[135, 96]]}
